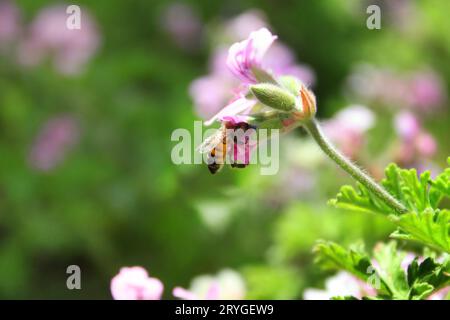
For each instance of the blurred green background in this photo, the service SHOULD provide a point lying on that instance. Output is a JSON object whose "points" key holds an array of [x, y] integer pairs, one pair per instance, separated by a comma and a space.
{"points": [[115, 198]]}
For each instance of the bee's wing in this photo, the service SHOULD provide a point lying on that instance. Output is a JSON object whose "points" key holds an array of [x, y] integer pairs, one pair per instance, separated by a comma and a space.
{"points": [[211, 142]]}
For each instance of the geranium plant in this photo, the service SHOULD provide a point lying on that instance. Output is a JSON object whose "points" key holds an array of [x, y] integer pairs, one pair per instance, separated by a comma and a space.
{"points": [[269, 100], [411, 202]]}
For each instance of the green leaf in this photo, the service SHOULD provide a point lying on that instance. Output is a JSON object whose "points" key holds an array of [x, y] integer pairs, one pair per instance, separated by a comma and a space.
{"points": [[360, 200], [424, 222], [441, 185], [430, 227], [390, 269], [420, 291], [427, 277], [393, 282], [332, 256], [408, 187]]}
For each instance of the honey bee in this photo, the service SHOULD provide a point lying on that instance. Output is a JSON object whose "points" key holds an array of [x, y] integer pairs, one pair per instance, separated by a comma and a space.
{"points": [[216, 147]]}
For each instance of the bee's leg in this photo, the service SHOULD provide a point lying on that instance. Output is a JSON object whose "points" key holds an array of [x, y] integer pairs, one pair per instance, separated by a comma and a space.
{"points": [[214, 168]]}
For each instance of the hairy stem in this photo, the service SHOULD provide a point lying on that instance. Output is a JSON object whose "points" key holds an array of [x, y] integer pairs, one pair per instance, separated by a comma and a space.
{"points": [[315, 131]]}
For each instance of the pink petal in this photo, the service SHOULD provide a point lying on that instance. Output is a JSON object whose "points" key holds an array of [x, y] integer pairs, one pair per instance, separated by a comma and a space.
{"points": [[134, 284], [184, 294], [235, 119], [213, 291], [245, 55], [407, 125], [238, 106]]}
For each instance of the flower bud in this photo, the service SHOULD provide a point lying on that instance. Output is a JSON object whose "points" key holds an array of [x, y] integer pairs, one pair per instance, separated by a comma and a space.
{"points": [[307, 109], [273, 96], [308, 101], [290, 83]]}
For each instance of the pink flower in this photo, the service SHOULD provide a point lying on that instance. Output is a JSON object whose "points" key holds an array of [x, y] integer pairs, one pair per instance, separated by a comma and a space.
{"points": [[133, 283], [302, 72], [210, 93], [348, 127], [240, 105], [425, 144], [407, 125], [217, 65], [419, 90], [295, 182], [415, 143], [9, 23], [69, 49], [211, 294], [227, 284], [183, 25], [248, 109], [240, 26], [342, 284], [440, 295], [241, 141], [400, 13], [280, 60], [57, 136], [244, 56], [427, 91]]}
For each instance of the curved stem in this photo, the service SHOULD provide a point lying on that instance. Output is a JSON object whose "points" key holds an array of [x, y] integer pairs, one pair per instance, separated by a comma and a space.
{"points": [[314, 130]]}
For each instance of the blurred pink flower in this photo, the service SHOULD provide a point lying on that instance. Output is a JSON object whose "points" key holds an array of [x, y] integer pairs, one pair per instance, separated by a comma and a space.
{"points": [[183, 25], [378, 84], [133, 283], [211, 294], [398, 13], [48, 36], [419, 90], [427, 91], [10, 26], [415, 143], [407, 125], [348, 127], [425, 144], [245, 56], [57, 136], [210, 93], [301, 71], [227, 284], [217, 65], [342, 284], [280, 59], [296, 182], [440, 295], [240, 26]]}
